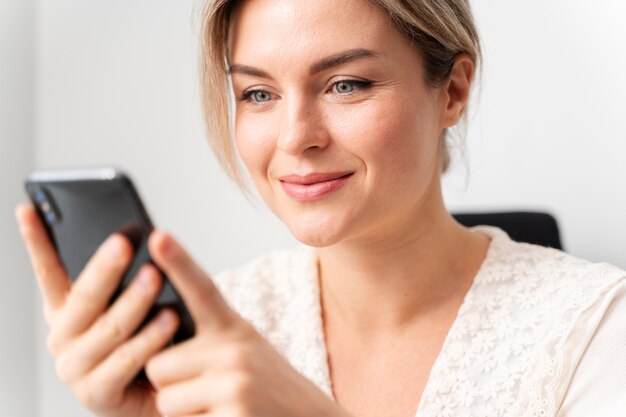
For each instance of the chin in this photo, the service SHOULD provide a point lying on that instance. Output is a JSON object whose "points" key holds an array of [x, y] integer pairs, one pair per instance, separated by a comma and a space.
{"points": [[316, 241], [317, 232]]}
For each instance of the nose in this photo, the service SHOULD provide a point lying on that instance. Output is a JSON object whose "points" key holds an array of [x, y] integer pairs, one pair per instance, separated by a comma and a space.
{"points": [[302, 128]]}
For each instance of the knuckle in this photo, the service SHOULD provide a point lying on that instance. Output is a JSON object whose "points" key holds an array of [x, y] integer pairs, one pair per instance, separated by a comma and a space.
{"points": [[65, 369], [127, 358], [99, 391], [87, 298], [110, 329], [53, 344]]}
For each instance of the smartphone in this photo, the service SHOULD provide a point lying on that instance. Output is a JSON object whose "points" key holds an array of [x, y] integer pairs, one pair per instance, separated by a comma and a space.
{"points": [[82, 207]]}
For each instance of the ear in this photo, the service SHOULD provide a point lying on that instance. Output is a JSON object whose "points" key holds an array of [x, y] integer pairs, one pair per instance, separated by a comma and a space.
{"points": [[457, 89]]}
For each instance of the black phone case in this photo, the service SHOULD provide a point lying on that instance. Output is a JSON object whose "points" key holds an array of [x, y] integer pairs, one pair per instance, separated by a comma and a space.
{"points": [[82, 207]]}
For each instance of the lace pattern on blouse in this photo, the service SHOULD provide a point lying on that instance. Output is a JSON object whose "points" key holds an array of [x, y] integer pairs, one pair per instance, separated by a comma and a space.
{"points": [[507, 352]]}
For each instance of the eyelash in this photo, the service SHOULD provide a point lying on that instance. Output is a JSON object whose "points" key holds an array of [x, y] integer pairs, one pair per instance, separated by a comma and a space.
{"points": [[357, 84]]}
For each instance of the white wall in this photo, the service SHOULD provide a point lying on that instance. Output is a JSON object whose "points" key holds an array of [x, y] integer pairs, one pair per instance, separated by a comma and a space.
{"points": [[17, 337], [549, 132], [117, 84]]}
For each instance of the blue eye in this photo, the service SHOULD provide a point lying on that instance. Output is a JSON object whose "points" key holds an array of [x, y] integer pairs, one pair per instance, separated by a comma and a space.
{"points": [[256, 96], [345, 87], [261, 96]]}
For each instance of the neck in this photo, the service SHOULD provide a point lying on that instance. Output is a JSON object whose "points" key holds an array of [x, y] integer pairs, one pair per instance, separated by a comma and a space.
{"points": [[382, 285]]}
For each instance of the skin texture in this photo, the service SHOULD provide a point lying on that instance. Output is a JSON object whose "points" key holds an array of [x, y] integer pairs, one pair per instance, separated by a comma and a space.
{"points": [[226, 369], [386, 134], [384, 239]]}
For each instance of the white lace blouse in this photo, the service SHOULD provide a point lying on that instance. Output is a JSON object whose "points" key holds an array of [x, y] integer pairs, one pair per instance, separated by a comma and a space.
{"points": [[540, 332]]}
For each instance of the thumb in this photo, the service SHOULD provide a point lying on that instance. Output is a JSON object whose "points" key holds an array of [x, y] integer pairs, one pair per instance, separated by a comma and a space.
{"points": [[202, 298]]}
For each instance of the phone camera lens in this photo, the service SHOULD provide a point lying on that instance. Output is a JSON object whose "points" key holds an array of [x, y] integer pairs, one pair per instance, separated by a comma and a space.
{"points": [[46, 206], [50, 216], [40, 196]]}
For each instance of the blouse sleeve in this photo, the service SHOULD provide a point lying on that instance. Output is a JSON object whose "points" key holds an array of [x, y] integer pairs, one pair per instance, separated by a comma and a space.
{"points": [[598, 385]]}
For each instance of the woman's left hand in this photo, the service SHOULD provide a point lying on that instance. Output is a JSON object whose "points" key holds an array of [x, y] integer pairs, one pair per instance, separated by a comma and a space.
{"points": [[227, 368]]}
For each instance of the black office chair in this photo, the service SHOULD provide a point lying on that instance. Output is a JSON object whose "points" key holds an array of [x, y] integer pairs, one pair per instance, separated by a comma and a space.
{"points": [[529, 227]]}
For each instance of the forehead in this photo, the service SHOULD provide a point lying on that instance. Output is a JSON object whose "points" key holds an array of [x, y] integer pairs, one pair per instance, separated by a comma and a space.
{"points": [[297, 32]]}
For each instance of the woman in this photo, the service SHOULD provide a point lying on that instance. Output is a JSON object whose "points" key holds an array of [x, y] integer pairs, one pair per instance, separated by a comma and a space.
{"points": [[391, 308]]}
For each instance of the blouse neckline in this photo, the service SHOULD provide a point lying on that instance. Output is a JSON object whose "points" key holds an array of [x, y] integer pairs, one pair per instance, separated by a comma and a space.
{"points": [[319, 370]]}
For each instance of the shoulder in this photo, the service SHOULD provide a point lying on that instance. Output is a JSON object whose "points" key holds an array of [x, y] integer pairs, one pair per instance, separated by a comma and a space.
{"points": [[547, 292], [598, 384], [525, 326], [543, 268], [541, 308]]}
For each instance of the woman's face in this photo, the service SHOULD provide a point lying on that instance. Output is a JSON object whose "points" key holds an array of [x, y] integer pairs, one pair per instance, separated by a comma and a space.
{"points": [[334, 122]]}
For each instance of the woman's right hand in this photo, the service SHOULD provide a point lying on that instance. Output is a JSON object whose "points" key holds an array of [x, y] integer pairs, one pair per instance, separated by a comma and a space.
{"points": [[96, 350]]}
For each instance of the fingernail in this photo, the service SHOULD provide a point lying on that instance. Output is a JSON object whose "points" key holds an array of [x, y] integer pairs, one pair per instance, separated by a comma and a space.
{"points": [[113, 247], [19, 219], [167, 246], [144, 279], [165, 319], [16, 213]]}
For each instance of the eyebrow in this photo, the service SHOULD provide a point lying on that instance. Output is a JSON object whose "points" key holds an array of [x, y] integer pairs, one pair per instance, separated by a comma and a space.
{"points": [[321, 65], [247, 70], [340, 58]]}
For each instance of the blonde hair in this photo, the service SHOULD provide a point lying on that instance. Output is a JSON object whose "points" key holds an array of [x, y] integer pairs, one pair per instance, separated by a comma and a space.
{"points": [[442, 29]]}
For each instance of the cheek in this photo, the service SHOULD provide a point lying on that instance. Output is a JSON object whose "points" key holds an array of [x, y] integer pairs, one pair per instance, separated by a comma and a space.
{"points": [[254, 138], [390, 136]]}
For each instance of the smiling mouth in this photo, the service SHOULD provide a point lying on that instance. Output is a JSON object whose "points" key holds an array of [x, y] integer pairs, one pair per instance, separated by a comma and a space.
{"points": [[313, 186]]}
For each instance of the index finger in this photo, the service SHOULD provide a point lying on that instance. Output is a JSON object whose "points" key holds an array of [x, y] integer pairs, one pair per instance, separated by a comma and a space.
{"points": [[52, 277], [204, 301]]}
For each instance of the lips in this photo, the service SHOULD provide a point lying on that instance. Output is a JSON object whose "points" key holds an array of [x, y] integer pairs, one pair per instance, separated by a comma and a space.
{"points": [[313, 186]]}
